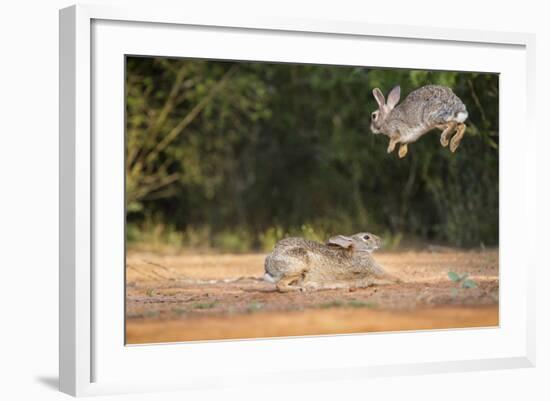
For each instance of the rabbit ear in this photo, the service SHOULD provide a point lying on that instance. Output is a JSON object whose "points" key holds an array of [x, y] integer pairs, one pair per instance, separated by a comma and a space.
{"points": [[341, 241], [379, 96], [394, 96]]}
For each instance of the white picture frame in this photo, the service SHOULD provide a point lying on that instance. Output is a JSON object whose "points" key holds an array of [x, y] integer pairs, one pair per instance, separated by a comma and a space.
{"points": [[93, 357]]}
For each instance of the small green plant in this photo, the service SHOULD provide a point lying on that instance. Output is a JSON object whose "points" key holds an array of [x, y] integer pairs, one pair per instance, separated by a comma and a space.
{"points": [[150, 292], [462, 280], [204, 305]]}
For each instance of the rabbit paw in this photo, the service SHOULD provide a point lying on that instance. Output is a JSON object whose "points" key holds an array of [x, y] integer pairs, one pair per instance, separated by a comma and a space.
{"points": [[444, 140], [391, 146], [403, 151], [454, 144], [446, 134], [455, 141]]}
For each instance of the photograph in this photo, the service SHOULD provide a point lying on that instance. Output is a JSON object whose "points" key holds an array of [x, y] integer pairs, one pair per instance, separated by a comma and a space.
{"points": [[268, 199]]}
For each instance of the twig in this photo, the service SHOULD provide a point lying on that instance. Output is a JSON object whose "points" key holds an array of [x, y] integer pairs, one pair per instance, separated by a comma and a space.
{"points": [[188, 119], [477, 101], [144, 190]]}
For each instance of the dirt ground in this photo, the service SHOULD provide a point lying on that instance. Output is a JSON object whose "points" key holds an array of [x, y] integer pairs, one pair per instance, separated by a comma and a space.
{"points": [[188, 297]]}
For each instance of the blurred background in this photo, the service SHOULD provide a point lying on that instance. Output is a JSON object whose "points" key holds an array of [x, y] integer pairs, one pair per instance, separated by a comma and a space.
{"points": [[233, 156]]}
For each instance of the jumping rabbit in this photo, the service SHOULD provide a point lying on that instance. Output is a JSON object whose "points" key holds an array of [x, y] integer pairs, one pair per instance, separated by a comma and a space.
{"points": [[343, 262], [426, 108]]}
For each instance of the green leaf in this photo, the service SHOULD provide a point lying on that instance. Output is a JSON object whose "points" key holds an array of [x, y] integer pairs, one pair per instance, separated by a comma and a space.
{"points": [[464, 276], [453, 276], [134, 207], [469, 284]]}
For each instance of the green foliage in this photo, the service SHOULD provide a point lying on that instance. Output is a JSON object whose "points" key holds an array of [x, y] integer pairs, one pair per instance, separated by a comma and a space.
{"points": [[235, 240], [462, 280], [453, 276], [469, 283], [391, 240], [269, 237], [153, 234], [237, 155]]}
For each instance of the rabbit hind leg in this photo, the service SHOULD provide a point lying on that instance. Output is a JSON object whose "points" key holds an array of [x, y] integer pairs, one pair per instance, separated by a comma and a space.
{"points": [[291, 283], [448, 130], [455, 141]]}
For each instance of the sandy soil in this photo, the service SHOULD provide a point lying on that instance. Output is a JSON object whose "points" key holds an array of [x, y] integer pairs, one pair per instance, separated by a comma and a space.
{"points": [[191, 297]]}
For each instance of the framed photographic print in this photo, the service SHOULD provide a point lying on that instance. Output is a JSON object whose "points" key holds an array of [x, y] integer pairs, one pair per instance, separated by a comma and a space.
{"points": [[256, 191]]}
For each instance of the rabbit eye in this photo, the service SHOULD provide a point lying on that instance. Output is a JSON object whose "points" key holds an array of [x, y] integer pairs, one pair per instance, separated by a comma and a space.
{"points": [[374, 115], [366, 237]]}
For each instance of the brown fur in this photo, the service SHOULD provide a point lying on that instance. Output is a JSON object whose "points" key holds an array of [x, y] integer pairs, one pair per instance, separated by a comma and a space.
{"points": [[301, 264], [426, 108]]}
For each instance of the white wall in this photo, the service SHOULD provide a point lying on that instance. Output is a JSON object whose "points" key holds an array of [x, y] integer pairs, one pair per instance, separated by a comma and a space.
{"points": [[29, 185]]}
